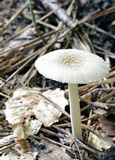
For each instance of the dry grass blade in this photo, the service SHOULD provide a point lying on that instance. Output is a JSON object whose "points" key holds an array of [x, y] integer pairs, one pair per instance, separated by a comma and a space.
{"points": [[109, 80], [16, 14], [99, 30], [97, 15]]}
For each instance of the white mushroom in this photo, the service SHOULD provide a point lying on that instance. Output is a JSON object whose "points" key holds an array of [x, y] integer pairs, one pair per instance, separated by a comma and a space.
{"points": [[72, 66]]}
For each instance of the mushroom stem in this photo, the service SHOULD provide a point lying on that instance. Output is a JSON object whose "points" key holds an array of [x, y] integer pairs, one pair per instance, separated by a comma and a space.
{"points": [[75, 110]]}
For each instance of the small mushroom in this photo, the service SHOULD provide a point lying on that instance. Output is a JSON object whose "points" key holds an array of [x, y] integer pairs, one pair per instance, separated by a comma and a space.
{"points": [[72, 66]]}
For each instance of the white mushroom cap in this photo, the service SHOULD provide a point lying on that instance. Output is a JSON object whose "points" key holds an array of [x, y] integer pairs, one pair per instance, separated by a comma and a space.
{"points": [[72, 66]]}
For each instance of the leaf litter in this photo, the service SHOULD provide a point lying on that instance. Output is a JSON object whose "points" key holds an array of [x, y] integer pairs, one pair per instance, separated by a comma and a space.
{"points": [[23, 39], [27, 110]]}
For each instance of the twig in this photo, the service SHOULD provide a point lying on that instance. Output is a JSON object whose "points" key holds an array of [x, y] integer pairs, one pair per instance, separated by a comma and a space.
{"points": [[99, 30], [109, 80], [50, 132], [27, 27], [60, 13], [20, 68], [4, 95], [105, 52], [97, 15], [16, 14], [54, 142], [6, 147]]}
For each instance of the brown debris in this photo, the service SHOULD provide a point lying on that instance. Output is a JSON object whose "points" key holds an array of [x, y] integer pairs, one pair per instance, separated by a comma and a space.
{"points": [[62, 25]]}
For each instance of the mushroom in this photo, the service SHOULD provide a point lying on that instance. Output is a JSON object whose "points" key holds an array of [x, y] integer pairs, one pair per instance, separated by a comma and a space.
{"points": [[72, 66]]}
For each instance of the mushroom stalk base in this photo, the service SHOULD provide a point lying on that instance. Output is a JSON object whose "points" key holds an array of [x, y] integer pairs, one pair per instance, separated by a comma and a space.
{"points": [[75, 110]]}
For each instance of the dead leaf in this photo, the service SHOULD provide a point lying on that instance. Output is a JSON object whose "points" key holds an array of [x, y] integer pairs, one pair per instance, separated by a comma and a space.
{"points": [[27, 110], [53, 151], [97, 143], [11, 155], [100, 111], [107, 126], [45, 112]]}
